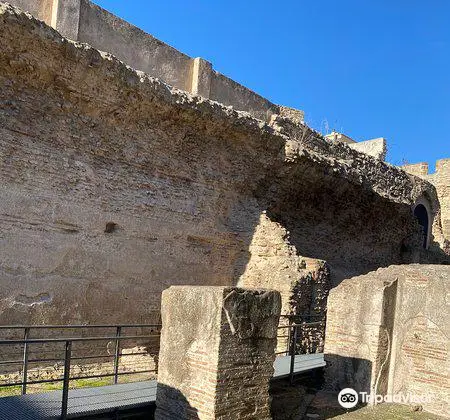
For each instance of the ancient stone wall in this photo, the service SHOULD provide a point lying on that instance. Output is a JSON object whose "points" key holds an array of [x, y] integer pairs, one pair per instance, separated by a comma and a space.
{"points": [[387, 333], [303, 283], [374, 147], [84, 21], [42, 9], [106, 198], [115, 186], [441, 180]]}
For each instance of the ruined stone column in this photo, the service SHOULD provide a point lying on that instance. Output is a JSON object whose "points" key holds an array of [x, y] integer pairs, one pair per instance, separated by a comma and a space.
{"points": [[217, 353]]}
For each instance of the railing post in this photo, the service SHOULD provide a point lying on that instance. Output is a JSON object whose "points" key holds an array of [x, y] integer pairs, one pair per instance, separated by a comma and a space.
{"points": [[293, 343], [117, 355], [288, 343], [25, 361], [65, 392]]}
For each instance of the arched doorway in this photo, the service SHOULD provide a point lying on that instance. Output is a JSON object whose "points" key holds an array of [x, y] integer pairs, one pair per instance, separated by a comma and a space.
{"points": [[421, 214]]}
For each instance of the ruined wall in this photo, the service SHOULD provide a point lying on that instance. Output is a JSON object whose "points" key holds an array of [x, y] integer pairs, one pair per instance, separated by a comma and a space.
{"points": [[115, 186], [387, 333], [42, 9], [374, 147], [133, 46], [303, 283], [84, 144], [441, 180]]}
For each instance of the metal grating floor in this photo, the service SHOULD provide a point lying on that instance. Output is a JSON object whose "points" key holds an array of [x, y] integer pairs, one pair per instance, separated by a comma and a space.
{"points": [[82, 402], [104, 399]]}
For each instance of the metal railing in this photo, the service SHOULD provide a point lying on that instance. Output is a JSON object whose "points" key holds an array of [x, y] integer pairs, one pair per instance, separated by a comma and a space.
{"points": [[67, 342], [297, 324], [295, 327]]}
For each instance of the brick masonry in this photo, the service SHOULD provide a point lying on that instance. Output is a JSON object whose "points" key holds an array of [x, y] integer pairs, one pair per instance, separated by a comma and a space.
{"points": [[387, 332], [217, 353]]}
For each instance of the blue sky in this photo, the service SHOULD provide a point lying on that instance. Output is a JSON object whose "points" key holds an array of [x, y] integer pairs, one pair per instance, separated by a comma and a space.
{"points": [[368, 68]]}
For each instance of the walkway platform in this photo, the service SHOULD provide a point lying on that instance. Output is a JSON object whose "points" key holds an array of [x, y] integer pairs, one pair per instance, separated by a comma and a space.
{"points": [[302, 363], [106, 399], [82, 402]]}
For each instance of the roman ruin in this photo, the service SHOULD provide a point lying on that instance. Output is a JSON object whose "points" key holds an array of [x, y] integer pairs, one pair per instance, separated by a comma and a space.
{"points": [[125, 171]]}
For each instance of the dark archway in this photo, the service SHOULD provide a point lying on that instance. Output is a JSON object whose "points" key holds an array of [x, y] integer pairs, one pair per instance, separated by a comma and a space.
{"points": [[421, 214]]}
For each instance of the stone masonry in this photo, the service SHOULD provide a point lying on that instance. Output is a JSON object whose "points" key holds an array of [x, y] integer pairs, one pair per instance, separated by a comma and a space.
{"points": [[116, 185], [387, 333], [217, 353], [441, 180], [303, 283]]}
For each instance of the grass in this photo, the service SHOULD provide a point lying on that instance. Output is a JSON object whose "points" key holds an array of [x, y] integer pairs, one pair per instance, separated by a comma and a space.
{"points": [[55, 386]]}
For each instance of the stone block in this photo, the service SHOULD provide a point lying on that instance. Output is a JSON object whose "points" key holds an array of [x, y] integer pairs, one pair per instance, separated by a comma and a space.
{"points": [[387, 334], [217, 352]]}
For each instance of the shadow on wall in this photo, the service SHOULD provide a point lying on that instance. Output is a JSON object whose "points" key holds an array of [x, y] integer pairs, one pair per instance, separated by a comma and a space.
{"points": [[349, 226], [353, 372], [172, 404]]}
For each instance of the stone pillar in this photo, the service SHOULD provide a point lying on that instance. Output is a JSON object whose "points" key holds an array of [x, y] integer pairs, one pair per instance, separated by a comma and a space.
{"points": [[217, 353], [66, 17], [359, 331], [201, 77]]}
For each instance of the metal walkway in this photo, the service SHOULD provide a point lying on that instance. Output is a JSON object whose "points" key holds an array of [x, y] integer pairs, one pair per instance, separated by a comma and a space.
{"points": [[82, 402], [301, 363], [106, 399]]}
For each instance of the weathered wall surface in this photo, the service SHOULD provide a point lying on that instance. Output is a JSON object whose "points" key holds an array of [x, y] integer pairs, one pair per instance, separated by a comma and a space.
{"points": [[133, 46], [374, 147], [217, 353], [441, 180], [83, 21], [303, 283], [387, 332], [83, 144], [42, 9], [115, 186], [229, 92]]}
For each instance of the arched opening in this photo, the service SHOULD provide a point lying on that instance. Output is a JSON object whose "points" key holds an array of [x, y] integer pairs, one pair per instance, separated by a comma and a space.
{"points": [[421, 214]]}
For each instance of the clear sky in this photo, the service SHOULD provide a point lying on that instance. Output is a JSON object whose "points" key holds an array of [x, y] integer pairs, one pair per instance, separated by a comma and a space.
{"points": [[368, 68]]}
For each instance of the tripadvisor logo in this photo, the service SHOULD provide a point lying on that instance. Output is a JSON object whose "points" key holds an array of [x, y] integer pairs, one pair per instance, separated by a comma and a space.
{"points": [[348, 398]]}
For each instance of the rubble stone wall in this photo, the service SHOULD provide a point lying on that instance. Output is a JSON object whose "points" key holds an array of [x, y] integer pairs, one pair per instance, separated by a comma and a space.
{"points": [[441, 180], [303, 283], [115, 186], [84, 21]]}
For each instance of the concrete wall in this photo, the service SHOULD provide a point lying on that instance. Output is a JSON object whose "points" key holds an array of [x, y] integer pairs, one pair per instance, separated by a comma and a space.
{"points": [[387, 333]]}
